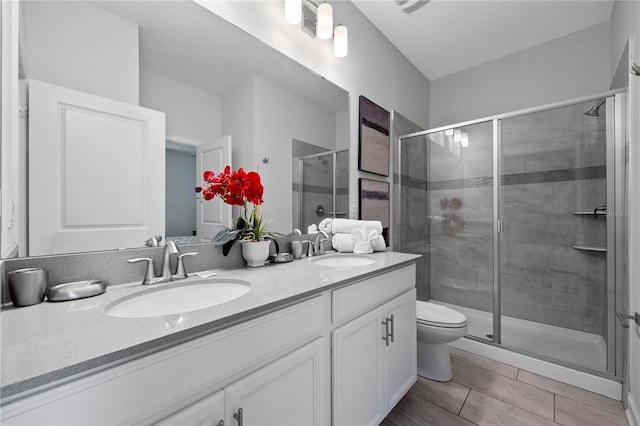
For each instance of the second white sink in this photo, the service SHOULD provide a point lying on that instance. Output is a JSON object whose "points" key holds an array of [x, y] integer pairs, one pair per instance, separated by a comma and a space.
{"points": [[176, 299]]}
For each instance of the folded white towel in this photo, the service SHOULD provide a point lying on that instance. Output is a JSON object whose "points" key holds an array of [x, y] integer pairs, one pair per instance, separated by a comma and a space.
{"points": [[343, 243], [347, 226], [312, 229], [362, 240], [325, 225]]}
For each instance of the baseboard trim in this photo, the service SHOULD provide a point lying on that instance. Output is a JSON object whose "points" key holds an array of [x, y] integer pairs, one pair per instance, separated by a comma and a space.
{"points": [[633, 413], [600, 385]]}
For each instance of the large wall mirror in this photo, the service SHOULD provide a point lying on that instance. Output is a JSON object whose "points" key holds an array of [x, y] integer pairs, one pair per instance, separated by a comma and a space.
{"points": [[206, 77]]}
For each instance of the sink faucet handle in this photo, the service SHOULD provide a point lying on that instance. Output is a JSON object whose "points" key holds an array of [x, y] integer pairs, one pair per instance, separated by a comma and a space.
{"points": [[150, 273], [180, 271], [309, 247]]}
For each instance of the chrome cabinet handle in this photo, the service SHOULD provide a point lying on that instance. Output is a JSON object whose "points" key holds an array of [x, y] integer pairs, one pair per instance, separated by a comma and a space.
{"points": [[238, 416], [623, 317], [386, 331], [392, 322]]}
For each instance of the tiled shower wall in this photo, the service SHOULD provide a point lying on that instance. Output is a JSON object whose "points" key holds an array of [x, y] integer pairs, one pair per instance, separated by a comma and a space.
{"points": [[317, 187], [552, 166]]}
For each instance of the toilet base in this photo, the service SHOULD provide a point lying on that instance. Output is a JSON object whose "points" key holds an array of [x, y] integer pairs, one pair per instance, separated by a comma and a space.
{"points": [[434, 361]]}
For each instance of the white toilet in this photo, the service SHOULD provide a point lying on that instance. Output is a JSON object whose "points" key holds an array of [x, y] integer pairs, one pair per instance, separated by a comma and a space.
{"points": [[437, 325]]}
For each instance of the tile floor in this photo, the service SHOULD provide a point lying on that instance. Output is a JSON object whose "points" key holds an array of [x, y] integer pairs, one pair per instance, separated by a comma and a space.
{"points": [[487, 392]]}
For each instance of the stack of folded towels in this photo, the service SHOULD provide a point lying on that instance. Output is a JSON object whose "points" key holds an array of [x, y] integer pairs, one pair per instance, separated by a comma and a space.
{"points": [[357, 236]]}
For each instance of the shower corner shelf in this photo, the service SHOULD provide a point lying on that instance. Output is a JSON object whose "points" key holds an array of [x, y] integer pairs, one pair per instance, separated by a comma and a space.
{"points": [[599, 213], [588, 248]]}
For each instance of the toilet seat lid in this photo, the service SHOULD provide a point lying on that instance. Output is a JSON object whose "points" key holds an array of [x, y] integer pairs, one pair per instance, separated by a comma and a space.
{"points": [[438, 315]]}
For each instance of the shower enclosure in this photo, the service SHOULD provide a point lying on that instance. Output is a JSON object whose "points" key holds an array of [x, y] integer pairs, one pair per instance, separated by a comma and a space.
{"points": [[518, 219], [320, 188]]}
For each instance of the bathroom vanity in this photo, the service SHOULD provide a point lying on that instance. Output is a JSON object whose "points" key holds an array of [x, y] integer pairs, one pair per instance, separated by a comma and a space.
{"points": [[309, 344]]}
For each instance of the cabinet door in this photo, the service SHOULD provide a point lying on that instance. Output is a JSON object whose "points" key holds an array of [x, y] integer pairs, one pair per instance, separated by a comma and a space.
{"points": [[206, 412], [358, 376], [400, 356], [290, 391]]}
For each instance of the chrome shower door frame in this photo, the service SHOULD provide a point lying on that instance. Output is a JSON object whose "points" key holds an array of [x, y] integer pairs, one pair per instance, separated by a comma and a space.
{"points": [[616, 239]]}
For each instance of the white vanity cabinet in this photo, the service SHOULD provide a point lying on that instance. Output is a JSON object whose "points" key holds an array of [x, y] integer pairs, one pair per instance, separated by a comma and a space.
{"points": [[351, 349], [374, 354], [250, 363], [290, 391]]}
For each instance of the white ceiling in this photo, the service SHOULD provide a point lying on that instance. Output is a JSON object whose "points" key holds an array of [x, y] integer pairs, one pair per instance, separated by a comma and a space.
{"points": [[185, 42], [443, 37]]}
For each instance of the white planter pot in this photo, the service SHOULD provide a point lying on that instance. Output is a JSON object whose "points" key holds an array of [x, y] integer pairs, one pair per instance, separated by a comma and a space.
{"points": [[255, 253]]}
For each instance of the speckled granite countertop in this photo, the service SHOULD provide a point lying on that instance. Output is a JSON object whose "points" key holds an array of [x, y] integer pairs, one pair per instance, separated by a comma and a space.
{"points": [[52, 341]]}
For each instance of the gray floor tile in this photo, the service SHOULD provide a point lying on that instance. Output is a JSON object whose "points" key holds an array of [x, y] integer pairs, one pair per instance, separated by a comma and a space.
{"points": [[589, 398], [412, 410], [486, 363], [518, 394], [448, 395], [484, 410], [574, 413], [387, 422]]}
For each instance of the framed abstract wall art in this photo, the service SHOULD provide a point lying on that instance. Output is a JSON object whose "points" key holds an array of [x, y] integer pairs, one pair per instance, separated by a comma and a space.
{"points": [[373, 152]]}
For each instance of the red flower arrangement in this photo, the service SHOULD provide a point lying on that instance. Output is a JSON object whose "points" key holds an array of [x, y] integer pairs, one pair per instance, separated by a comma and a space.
{"points": [[236, 188]]}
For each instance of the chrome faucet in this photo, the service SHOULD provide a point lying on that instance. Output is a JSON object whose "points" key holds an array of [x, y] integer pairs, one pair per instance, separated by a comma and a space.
{"points": [[150, 276], [169, 248], [321, 237]]}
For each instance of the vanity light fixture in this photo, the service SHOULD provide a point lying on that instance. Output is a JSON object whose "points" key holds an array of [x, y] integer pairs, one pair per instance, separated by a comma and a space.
{"points": [[317, 21], [464, 140], [457, 135], [293, 11], [324, 26], [340, 41], [448, 132]]}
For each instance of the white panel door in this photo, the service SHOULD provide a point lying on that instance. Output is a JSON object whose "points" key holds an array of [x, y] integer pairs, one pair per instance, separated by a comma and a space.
{"points": [[401, 354], [212, 215], [291, 391], [96, 172], [358, 371]]}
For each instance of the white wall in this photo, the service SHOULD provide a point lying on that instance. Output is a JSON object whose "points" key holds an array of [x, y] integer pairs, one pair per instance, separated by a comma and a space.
{"points": [[280, 116], [191, 113], [569, 67], [262, 119], [374, 67], [625, 23], [97, 54]]}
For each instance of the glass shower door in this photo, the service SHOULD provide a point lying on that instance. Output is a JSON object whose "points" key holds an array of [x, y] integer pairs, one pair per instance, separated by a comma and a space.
{"points": [[553, 244], [456, 234]]}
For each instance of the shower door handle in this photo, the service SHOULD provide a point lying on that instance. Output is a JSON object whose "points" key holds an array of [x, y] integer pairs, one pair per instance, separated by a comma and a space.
{"points": [[623, 317]]}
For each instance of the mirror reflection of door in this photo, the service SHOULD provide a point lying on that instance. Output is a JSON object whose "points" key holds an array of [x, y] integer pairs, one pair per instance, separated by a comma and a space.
{"points": [[101, 162]]}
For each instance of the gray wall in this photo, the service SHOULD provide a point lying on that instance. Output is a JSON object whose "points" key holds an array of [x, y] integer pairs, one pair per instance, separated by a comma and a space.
{"points": [[572, 66], [180, 176]]}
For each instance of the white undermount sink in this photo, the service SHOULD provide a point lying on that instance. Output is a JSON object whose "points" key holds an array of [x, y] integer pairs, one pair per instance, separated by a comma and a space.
{"points": [[178, 298], [343, 260]]}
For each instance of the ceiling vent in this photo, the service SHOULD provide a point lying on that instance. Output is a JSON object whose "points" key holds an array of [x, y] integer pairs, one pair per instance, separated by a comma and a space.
{"points": [[409, 6]]}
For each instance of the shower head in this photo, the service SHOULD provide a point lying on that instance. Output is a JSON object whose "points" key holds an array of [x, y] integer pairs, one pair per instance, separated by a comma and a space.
{"points": [[593, 112]]}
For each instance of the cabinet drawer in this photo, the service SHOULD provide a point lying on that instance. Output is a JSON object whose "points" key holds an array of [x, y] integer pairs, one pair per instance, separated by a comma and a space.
{"points": [[151, 388], [349, 302]]}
